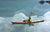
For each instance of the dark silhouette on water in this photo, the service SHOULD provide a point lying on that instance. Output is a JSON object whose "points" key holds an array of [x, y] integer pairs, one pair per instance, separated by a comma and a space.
{"points": [[31, 13], [42, 2], [48, 2]]}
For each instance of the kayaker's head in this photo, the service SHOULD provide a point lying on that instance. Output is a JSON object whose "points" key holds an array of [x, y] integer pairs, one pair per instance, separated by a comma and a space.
{"points": [[29, 17]]}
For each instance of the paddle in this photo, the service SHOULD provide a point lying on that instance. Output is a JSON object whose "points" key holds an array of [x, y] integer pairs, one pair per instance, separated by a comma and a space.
{"points": [[30, 15]]}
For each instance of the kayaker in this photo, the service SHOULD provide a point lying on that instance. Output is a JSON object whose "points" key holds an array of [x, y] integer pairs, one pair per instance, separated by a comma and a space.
{"points": [[29, 19]]}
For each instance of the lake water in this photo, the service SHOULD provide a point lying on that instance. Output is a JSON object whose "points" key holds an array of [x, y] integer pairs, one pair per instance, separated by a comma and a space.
{"points": [[7, 26], [19, 10]]}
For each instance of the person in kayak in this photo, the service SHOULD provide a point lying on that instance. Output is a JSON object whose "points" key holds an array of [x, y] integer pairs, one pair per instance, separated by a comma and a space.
{"points": [[29, 20]]}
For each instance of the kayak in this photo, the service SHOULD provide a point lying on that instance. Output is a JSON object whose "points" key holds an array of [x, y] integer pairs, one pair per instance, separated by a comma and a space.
{"points": [[21, 22]]}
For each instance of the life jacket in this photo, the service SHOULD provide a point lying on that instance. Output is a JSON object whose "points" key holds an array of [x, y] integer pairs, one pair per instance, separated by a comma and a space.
{"points": [[29, 20]]}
